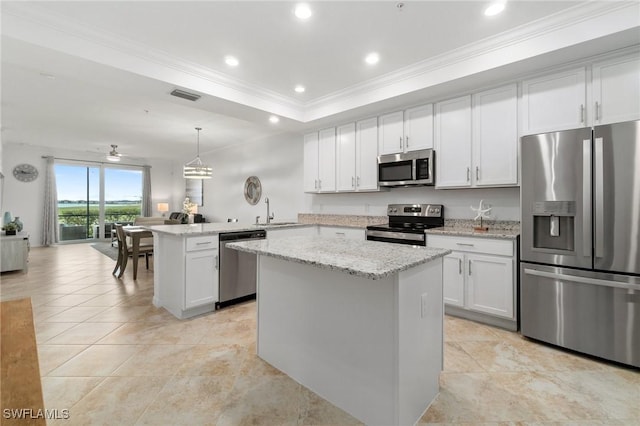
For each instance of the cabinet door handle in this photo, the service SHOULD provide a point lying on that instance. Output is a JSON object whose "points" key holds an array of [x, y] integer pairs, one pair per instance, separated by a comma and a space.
{"points": [[460, 266], [358, 181], [407, 139], [468, 174], [217, 262], [353, 182], [477, 173], [203, 244], [315, 183], [465, 244], [469, 267], [582, 113], [597, 111], [400, 142]]}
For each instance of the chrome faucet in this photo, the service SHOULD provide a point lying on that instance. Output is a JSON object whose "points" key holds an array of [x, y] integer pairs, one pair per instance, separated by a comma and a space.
{"points": [[269, 216]]}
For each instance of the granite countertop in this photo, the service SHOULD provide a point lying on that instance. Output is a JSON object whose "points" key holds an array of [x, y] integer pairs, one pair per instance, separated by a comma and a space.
{"points": [[506, 230], [218, 228], [368, 259]]}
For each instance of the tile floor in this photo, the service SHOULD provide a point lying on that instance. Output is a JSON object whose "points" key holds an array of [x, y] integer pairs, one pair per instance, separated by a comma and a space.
{"points": [[110, 357]]}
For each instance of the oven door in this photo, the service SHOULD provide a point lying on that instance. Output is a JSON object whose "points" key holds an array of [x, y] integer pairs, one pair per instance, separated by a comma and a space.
{"points": [[397, 237]]}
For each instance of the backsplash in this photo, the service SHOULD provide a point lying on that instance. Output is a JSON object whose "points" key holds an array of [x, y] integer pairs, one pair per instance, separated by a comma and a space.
{"points": [[359, 221], [507, 225]]}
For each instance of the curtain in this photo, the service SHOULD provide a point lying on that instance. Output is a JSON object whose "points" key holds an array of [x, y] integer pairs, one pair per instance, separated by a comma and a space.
{"points": [[146, 191], [50, 214]]}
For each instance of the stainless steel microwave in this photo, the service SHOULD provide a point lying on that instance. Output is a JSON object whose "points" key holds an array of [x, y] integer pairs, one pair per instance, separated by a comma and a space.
{"points": [[407, 169]]}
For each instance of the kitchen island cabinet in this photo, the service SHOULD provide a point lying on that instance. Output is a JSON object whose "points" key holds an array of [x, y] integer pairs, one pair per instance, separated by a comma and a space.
{"points": [[357, 322]]}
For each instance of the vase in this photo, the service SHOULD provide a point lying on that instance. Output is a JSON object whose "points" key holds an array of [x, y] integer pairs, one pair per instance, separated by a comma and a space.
{"points": [[18, 223], [7, 218]]}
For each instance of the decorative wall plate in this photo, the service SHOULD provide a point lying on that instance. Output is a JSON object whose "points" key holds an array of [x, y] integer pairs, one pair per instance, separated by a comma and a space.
{"points": [[252, 190], [25, 172]]}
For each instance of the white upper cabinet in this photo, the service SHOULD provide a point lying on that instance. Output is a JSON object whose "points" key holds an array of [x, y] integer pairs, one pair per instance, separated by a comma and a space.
{"points": [[418, 128], [327, 160], [404, 131], [367, 155], [391, 133], [477, 139], [320, 161], [357, 152], [311, 162], [346, 157], [453, 142], [554, 102], [495, 137], [616, 90]]}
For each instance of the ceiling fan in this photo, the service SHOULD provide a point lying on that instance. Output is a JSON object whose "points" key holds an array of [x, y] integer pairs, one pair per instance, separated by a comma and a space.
{"points": [[114, 155]]}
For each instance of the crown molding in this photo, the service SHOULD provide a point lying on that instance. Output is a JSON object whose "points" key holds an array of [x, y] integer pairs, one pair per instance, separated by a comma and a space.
{"points": [[523, 42]]}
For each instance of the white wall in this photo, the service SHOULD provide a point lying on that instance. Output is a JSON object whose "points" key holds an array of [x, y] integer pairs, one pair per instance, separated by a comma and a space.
{"points": [[26, 199], [278, 163]]}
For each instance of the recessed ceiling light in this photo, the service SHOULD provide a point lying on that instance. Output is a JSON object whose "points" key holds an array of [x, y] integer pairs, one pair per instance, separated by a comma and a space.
{"points": [[231, 61], [274, 119], [372, 58], [300, 89], [494, 8], [303, 11]]}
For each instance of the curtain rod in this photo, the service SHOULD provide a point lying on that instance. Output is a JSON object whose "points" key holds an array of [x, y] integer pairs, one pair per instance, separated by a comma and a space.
{"points": [[97, 162]]}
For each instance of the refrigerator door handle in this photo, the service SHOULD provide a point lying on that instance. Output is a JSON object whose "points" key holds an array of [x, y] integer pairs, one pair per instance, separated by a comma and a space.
{"points": [[581, 280], [599, 209], [586, 197]]}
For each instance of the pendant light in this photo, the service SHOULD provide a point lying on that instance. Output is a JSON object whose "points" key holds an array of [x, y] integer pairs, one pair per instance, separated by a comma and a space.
{"points": [[194, 169]]}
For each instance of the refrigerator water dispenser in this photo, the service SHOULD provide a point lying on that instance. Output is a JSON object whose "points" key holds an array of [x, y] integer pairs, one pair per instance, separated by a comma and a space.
{"points": [[553, 225]]}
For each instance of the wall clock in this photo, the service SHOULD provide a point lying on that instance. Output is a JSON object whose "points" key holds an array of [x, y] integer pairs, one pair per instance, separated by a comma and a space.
{"points": [[25, 172]]}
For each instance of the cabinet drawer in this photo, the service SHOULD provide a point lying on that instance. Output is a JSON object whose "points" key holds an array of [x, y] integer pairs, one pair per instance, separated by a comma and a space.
{"points": [[205, 242], [472, 245]]}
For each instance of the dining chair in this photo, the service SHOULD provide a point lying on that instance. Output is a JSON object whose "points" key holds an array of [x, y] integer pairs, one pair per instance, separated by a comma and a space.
{"points": [[124, 251]]}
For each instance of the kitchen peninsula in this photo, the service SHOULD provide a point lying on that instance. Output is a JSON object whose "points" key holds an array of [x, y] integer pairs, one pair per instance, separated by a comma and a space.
{"points": [[357, 322], [186, 262]]}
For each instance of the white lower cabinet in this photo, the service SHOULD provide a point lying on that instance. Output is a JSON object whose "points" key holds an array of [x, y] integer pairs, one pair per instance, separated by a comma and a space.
{"points": [[453, 279], [201, 278], [479, 278], [186, 273]]}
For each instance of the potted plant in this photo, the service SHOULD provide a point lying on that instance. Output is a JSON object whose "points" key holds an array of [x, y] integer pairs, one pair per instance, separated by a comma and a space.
{"points": [[10, 228]]}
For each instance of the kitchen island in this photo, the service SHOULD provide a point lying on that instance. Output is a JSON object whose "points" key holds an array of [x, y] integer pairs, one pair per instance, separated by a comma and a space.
{"points": [[357, 322]]}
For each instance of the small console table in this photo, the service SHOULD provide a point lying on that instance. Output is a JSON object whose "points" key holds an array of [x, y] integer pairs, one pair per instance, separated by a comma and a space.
{"points": [[14, 252]]}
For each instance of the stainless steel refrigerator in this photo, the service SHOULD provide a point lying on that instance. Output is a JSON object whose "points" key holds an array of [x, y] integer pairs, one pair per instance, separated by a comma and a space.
{"points": [[580, 242]]}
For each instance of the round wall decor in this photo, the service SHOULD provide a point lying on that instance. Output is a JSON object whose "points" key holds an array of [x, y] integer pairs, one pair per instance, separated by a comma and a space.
{"points": [[252, 190], [25, 172]]}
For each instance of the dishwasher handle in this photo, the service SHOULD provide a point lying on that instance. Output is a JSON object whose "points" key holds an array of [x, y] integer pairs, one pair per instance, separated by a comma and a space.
{"points": [[237, 236]]}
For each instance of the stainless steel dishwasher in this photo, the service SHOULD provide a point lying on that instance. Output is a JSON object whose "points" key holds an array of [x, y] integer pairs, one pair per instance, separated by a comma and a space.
{"points": [[237, 279]]}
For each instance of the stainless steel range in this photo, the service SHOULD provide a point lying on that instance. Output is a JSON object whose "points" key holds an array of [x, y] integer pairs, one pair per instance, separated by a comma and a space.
{"points": [[407, 223]]}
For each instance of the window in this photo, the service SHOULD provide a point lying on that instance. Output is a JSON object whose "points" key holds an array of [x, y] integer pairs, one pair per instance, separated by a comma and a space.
{"points": [[91, 198]]}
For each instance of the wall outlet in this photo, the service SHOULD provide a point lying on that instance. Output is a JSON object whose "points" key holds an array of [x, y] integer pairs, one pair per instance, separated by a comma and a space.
{"points": [[424, 302]]}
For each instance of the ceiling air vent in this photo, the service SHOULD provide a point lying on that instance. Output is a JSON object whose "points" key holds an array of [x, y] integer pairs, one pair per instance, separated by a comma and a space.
{"points": [[185, 95]]}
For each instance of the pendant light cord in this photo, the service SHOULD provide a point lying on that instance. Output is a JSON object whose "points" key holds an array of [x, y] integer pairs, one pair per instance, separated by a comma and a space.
{"points": [[198, 144]]}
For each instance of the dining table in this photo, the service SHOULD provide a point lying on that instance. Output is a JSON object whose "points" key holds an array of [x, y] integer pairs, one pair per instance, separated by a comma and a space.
{"points": [[136, 233]]}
